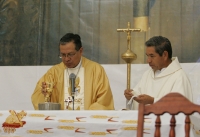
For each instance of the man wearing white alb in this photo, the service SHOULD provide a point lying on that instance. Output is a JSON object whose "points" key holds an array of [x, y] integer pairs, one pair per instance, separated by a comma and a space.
{"points": [[164, 76]]}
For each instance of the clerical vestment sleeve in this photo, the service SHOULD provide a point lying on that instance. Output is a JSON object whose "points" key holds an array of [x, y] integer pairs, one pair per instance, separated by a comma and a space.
{"points": [[99, 95], [37, 96], [104, 98]]}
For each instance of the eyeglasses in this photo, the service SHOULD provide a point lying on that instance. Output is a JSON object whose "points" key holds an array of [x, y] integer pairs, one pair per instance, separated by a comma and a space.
{"points": [[69, 55]]}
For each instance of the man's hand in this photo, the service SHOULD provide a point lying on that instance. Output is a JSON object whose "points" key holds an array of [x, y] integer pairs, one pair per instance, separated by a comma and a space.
{"points": [[145, 99], [128, 93]]}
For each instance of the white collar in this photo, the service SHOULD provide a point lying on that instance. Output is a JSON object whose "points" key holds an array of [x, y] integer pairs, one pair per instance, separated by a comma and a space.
{"points": [[78, 66], [157, 72]]}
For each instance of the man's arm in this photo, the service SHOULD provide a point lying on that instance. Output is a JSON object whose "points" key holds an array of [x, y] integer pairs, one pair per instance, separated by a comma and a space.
{"points": [[102, 98], [182, 85], [38, 95]]}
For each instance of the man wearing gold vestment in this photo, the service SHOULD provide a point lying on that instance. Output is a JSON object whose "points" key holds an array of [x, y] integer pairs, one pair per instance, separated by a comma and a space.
{"points": [[92, 88]]}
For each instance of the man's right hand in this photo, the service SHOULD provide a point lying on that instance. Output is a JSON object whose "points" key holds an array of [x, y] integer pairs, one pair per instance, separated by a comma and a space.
{"points": [[128, 93]]}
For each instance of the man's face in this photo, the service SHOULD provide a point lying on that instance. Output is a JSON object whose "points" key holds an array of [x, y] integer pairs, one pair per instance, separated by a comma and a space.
{"points": [[156, 62], [70, 57]]}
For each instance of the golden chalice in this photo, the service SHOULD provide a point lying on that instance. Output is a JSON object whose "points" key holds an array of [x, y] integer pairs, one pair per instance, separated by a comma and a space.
{"points": [[48, 105], [49, 90]]}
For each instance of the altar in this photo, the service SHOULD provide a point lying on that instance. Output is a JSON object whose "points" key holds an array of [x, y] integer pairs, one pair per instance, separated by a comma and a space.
{"points": [[22, 123]]}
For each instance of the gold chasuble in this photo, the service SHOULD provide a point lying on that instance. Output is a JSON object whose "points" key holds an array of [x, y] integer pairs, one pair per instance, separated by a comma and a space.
{"points": [[96, 88]]}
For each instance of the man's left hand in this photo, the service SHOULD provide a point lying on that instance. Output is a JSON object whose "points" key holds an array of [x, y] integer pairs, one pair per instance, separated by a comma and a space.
{"points": [[145, 99]]}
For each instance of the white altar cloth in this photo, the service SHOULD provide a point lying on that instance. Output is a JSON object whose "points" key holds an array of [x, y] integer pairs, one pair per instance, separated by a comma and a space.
{"points": [[82, 124]]}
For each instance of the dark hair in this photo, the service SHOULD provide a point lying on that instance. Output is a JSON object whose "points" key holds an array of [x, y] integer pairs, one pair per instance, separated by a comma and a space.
{"points": [[161, 44], [69, 37]]}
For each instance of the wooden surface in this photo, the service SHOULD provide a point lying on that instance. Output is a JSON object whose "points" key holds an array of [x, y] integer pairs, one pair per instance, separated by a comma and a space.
{"points": [[172, 103]]}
